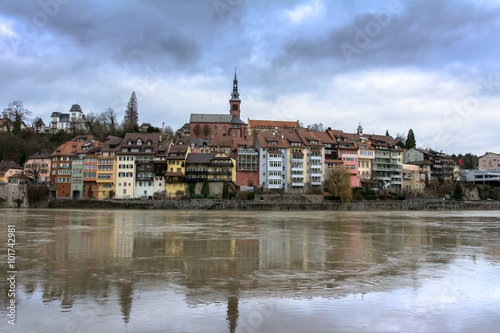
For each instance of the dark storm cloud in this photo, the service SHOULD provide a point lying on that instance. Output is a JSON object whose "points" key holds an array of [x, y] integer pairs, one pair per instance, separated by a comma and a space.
{"points": [[420, 33], [342, 55]]}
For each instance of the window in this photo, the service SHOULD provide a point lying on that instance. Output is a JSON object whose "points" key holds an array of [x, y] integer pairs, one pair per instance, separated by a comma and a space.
{"points": [[215, 130], [139, 142]]}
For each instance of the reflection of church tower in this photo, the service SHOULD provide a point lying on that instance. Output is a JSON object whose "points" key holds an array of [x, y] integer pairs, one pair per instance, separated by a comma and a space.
{"points": [[235, 101], [125, 292]]}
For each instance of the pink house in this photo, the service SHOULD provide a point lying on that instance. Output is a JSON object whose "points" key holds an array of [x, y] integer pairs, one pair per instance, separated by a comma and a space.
{"points": [[350, 159]]}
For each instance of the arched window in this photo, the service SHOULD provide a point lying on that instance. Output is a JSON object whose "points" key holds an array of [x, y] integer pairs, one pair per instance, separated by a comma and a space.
{"points": [[215, 130], [224, 130]]}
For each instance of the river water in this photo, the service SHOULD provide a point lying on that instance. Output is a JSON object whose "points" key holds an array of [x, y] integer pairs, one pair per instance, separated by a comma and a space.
{"points": [[247, 271]]}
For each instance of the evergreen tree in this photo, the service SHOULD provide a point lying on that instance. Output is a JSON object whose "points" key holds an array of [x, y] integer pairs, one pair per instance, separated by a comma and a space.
{"points": [[225, 191], [458, 193], [387, 132], [410, 140], [205, 189], [131, 118]]}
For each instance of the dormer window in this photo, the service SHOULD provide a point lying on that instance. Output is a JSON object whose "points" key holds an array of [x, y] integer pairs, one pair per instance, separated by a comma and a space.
{"points": [[148, 142], [129, 142], [139, 142]]}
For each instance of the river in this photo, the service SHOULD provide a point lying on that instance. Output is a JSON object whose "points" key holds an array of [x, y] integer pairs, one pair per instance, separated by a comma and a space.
{"points": [[250, 271]]}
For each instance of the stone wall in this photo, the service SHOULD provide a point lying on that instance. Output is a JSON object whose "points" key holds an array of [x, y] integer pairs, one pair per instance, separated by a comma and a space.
{"points": [[277, 205]]}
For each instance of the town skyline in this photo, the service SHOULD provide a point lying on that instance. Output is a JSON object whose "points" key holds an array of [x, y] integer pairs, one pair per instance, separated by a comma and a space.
{"points": [[392, 65]]}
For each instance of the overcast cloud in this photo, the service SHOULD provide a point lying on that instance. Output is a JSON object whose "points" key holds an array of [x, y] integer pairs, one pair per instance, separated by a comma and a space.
{"points": [[433, 66]]}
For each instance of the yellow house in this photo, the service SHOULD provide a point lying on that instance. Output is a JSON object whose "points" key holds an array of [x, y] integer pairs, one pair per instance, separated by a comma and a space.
{"points": [[413, 178], [175, 173], [222, 168], [106, 169]]}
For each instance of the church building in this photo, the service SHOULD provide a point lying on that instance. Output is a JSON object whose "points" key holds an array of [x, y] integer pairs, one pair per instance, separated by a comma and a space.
{"points": [[208, 126]]}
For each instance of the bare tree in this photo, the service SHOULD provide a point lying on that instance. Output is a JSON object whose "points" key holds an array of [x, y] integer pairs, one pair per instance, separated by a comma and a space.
{"points": [[168, 130], [110, 122], [17, 114]]}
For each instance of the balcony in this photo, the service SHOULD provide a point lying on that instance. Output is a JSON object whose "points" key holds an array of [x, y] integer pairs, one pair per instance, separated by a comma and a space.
{"points": [[144, 178], [316, 183], [197, 172], [297, 169], [199, 179], [220, 172], [298, 184], [225, 164], [315, 158]]}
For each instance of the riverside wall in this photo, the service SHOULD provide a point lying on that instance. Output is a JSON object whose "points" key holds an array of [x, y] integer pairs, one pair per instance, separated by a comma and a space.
{"points": [[432, 204]]}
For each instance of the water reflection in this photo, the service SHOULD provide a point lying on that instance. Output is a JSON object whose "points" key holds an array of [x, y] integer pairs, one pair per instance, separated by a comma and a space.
{"points": [[76, 257]]}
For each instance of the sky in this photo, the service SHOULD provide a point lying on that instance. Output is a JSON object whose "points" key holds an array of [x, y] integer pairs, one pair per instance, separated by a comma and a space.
{"points": [[432, 66]]}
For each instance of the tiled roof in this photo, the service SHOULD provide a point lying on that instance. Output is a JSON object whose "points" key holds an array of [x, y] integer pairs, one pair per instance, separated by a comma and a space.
{"points": [[41, 153], [210, 118], [200, 158], [272, 124], [4, 166]]}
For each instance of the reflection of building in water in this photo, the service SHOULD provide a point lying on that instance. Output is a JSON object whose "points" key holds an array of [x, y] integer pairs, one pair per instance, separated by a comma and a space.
{"points": [[298, 247], [123, 244], [90, 237]]}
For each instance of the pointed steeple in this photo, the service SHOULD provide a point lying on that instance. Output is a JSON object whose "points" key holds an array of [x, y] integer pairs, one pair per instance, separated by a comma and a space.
{"points": [[235, 95], [235, 101]]}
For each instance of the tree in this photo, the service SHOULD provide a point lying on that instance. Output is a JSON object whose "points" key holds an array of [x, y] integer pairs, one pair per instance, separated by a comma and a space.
{"points": [[458, 193], [206, 131], [91, 123], [317, 127], [205, 189], [400, 140], [225, 191], [34, 172], [16, 113], [197, 130], [109, 122], [168, 130], [131, 118], [387, 133], [338, 184], [37, 124], [410, 140]]}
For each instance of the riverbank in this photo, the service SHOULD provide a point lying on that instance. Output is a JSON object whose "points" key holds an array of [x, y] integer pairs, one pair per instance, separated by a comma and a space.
{"points": [[428, 204]]}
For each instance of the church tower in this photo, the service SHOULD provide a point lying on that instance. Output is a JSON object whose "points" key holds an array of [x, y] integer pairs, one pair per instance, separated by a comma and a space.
{"points": [[235, 102]]}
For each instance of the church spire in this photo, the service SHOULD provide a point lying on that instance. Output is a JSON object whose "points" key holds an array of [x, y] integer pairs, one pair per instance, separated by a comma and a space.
{"points": [[235, 101], [235, 95]]}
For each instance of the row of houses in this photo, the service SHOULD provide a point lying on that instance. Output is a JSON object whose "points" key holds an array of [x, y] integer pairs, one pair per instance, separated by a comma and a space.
{"points": [[293, 160], [219, 149]]}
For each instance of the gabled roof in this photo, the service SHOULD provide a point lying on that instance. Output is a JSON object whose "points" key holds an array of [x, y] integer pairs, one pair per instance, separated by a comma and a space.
{"points": [[221, 141], [41, 153], [270, 124], [198, 158], [5, 166], [210, 118], [19, 176], [308, 136], [266, 140]]}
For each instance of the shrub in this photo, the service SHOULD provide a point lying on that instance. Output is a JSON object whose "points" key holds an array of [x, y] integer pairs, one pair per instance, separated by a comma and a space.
{"points": [[37, 194], [198, 196]]}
